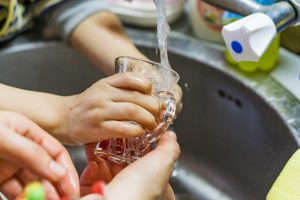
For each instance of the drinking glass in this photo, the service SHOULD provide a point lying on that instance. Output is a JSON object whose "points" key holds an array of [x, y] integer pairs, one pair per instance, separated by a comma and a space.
{"points": [[164, 80]]}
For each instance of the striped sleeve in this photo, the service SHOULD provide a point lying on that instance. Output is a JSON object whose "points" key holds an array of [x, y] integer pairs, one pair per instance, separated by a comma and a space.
{"points": [[63, 20]]}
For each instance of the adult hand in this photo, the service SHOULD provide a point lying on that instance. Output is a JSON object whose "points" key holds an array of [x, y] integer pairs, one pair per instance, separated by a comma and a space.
{"points": [[28, 153], [100, 112], [146, 179]]}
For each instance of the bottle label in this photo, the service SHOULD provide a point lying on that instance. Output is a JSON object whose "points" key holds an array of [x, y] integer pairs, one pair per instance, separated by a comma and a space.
{"points": [[210, 15]]}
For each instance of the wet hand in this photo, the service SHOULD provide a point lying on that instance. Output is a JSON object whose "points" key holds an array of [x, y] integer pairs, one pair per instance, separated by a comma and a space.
{"points": [[100, 112], [178, 98], [146, 70]]}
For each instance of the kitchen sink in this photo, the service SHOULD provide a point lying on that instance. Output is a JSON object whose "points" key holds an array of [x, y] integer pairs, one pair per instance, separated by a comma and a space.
{"points": [[235, 130]]}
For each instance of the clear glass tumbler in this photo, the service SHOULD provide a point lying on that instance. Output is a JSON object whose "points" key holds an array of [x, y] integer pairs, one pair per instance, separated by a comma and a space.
{"points": [[164, 80]]}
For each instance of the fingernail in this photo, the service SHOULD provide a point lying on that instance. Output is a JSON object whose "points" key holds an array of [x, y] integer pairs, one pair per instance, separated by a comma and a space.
{"points": [[57, 169], [98, 188], [172, 134]]}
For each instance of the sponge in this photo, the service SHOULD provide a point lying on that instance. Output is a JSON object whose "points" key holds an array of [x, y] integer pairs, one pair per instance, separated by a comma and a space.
{"points": [[287, 185]]}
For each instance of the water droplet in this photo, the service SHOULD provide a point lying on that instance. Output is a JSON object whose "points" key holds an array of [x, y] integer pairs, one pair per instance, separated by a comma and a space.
{"points": [[186, 86]]}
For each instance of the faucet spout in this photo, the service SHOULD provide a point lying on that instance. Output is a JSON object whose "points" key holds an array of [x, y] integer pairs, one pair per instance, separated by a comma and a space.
{"points": [[242, 7], [283, 14]]}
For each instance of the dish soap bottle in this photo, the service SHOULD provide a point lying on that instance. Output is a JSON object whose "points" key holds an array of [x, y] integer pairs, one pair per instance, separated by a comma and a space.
{"points": [[268, 59]]}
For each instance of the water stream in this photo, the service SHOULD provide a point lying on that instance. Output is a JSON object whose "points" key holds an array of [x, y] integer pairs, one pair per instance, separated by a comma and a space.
{"points": [[163, 30]]}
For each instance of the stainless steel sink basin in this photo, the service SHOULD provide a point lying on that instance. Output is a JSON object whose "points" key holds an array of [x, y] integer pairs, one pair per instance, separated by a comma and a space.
{"points": [[234, 132]]}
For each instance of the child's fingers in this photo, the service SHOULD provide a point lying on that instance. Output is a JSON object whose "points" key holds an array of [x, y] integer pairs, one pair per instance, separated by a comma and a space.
{"points": [[130, 81], [178, 93], [148, 102], [115, 168], [90, 174], [107, 169], [89, 151], [124, 111], [95, 171], [178, 98], [120, 129], [88, 177]]}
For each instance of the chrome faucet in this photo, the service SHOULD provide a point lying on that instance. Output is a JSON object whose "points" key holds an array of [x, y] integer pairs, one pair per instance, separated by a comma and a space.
{"points": [[283, 13], [248, 38]]}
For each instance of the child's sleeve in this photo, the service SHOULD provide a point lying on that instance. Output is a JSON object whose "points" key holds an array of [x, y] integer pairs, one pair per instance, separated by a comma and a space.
{"points": [[64, 18]]}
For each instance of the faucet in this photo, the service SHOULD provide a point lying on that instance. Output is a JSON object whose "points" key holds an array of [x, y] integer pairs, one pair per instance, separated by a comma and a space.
{"points": [[248, 38]]}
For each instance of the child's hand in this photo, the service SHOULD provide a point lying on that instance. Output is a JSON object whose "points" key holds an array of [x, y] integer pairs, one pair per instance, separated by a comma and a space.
{"points": [[100, 112], [178, 98], [146, 70]]}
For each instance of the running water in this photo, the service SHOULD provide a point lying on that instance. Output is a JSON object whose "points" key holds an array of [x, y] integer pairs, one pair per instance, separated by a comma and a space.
{"points": [[163, 29]]}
